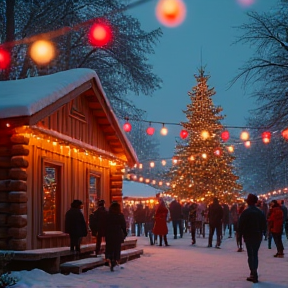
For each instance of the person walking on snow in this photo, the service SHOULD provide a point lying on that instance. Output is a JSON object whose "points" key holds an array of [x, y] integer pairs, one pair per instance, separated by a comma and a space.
{"points": [[215, 216], [252, 224]]}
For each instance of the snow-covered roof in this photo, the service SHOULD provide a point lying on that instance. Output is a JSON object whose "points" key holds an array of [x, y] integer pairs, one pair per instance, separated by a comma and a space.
{"points": [[27, 96]]}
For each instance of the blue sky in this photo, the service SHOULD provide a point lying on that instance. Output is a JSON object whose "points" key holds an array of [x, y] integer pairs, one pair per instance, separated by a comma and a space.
{"points": [[208, 27]]}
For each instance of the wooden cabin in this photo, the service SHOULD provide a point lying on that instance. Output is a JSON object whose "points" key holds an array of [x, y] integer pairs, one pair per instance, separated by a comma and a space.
{"points": [[59, 141]]}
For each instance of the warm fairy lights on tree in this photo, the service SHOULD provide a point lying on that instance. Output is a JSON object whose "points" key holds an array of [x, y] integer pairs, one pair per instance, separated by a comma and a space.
{"points": [[211, 173]]}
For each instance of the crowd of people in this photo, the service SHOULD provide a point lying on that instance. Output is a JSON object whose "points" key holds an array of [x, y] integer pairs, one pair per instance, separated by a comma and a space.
{"points": [[250, 222]]}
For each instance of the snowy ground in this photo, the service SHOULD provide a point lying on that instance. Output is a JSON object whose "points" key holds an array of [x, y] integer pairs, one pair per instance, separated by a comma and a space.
{"points": [[179, 265]]}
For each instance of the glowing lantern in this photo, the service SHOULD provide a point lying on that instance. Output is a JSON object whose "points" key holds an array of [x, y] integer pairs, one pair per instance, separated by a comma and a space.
{"points": [[164, 131], [163, 162], [285, 133], [152, 164], [183, 134], [217, 152], [42, 52], [127, 127], [100, 34], [225, 135], [205, 135], [244, 136], [171, 13], [247, 144], [4, 59], [266, 136], [141, 179], [150, 130]]}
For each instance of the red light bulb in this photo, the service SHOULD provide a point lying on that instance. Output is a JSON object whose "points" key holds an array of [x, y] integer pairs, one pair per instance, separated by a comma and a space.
{"points": [[4, 59], [150, 130], [225, 135], [100, 34], [183, 134], [127, 127]]}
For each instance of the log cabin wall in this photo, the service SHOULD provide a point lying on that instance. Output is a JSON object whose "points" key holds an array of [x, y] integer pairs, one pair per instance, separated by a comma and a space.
{"points": [[13, 190]]}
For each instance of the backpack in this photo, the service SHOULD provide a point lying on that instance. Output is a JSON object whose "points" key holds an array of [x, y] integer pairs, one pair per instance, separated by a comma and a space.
{"points": [[93, 224]]}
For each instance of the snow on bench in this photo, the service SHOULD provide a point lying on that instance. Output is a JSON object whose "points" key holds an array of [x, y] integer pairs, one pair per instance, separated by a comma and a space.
{"points": [[78, 266]]}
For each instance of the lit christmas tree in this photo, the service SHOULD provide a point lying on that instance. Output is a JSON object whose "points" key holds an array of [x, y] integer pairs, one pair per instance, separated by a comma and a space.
{"points": [[204, 167]]}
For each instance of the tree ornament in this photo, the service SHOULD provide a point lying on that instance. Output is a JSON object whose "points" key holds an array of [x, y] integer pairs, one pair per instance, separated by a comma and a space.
{"points": [[5, 59], [127, 127], [100, 34], [171, 13], [266, 136], [217, 152], [42, 52], [225, 135], [183, 134], [285, 133]]}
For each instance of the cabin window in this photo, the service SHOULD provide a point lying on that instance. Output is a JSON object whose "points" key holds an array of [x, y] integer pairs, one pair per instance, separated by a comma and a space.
{"points": [[94, 191], [51, 197]]}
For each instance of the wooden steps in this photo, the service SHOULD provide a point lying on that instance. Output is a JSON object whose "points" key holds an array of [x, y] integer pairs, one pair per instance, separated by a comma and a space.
{"points": [[82, 265], [50, 259]]}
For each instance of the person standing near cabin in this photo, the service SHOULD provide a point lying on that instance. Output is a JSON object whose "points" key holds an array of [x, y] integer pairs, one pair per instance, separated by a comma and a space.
{"points": [[115, 233], [97, 224], [75, 225]]}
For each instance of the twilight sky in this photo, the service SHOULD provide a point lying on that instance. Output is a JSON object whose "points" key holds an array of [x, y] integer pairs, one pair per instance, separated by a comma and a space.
{"points": [[208, 27]]}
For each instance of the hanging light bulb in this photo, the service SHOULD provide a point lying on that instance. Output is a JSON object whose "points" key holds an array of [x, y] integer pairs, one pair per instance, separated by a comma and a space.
{"points": [[244, 136], [42, 52], [164, 130], [152, 164], [150, 130], [266, 137], [163, 162], [127, 126], [247, 144], [225, 135], [285, 133]]}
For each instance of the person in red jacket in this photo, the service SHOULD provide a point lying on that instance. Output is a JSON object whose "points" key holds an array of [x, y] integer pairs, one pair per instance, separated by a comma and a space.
{"points": [[275, 222], [160, 226]]}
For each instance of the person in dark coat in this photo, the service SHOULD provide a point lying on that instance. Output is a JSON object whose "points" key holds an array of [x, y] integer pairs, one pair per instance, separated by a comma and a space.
{"points": [[139, 216], [160, 227], [252, 224], [192, 220], [215, 216], [75, 225], [176, 217], [115, 234], [97, 224]]}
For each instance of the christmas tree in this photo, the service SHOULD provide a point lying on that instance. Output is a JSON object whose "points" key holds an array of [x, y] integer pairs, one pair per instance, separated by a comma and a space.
{"points": [[204, 167]]}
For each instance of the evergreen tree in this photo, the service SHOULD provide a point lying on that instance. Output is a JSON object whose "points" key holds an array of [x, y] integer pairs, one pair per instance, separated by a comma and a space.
{"points": [[204, 167]]}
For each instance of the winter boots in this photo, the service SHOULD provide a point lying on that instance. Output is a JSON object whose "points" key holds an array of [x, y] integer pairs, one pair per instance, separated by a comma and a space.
{"points": [[253, 276]]}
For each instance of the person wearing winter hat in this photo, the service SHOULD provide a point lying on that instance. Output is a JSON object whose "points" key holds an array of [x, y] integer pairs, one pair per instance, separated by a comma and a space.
{"points": [[75, 225], [252, 224]]}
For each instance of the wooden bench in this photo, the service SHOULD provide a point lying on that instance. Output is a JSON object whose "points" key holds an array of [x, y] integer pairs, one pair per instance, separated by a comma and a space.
{"points": [[82, 265], [49, 259]]}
